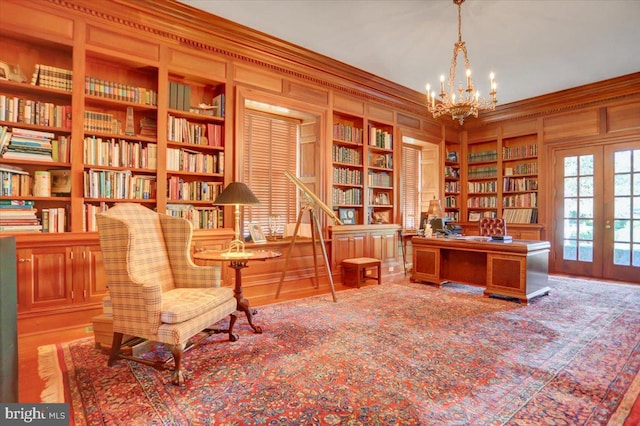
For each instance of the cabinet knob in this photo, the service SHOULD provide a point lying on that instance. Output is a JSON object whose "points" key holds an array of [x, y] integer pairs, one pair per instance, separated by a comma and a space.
{"points": [[21, 260]]}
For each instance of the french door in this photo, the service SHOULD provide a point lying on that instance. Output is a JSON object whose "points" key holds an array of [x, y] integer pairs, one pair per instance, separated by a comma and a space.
{"points": [[597, 212]]}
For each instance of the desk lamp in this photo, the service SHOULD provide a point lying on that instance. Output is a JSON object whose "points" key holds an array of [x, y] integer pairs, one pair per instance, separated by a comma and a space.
{"points": [[236, 194], [435, 209]]}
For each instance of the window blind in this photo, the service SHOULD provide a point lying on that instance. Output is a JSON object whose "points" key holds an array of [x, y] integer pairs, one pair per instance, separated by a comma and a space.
{"points": [[411, 186]]}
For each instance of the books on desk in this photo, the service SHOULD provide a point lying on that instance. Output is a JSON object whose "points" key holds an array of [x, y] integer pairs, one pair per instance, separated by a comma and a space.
{"points": [[501, 238]]}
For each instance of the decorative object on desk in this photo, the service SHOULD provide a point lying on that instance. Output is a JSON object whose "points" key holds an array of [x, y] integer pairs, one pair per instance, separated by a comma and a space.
{"points": [[60, 182], [468, 101], [257, 236], [236, 194], [347, 216], [275, 225]]}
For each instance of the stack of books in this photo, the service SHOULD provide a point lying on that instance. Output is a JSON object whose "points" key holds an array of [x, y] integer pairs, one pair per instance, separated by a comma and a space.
{"points": [[28, 145], [18, 216]]}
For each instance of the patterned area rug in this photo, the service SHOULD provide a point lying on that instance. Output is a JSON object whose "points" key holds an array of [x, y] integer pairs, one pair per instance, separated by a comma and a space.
{"points": [[396, 354]]}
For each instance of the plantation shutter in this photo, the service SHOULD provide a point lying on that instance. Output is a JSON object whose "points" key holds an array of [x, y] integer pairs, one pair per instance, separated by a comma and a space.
{"points": [[411, 184], [270, 148]]}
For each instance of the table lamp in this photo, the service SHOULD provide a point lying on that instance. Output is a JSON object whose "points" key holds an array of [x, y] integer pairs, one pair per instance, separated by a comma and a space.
{"points": [[236, 194], [435, 209]]}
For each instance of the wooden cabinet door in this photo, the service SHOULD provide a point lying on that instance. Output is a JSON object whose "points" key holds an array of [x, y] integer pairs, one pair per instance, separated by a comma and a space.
{"points": [[348, 246], [89, 265], [44, 277], [383, 246]]}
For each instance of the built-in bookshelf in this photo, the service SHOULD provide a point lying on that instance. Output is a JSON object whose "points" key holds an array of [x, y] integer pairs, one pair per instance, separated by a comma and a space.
{"points": [[452, 185], [482, 180], [195, 148], [520, 179], [347, 196], [35, 135], [380, 179]]}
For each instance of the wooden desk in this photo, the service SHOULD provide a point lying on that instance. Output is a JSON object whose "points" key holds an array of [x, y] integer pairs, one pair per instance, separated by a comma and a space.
{"points": [[518, 269]]}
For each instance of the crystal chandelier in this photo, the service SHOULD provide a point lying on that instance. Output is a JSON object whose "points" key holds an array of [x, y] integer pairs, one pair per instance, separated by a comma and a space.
{"points": [[467, 101]]}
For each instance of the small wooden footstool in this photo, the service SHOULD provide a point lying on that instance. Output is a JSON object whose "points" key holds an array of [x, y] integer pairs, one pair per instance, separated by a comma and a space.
{"points": [[355, 270]]}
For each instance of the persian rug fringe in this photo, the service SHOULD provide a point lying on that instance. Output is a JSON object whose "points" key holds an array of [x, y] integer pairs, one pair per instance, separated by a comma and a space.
{"points": [[50, 372]]}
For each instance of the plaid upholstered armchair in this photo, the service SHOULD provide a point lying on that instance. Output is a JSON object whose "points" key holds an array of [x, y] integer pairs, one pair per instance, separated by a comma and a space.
{"points": [[157, 292]]}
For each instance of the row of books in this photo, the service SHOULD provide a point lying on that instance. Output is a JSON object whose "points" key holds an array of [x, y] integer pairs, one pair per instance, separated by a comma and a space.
{"points": [[20, 110], [347, 155], [101, 122], [15, 181], [478, 157], [347, 133], [522, 169], [529, 199], [89, 215], [119, 91], [523, 151], [185, 131], [194, 161], [200, 217], [452, 186], [380, 138], [118, 185], [179, 189], [482, 172], [120, 153], [343, 175], [16, 217], [52, 77], [380, 179], [520, 215], [482, 202], [346, 196], [520, 184], [26, 144], [489, 186]]}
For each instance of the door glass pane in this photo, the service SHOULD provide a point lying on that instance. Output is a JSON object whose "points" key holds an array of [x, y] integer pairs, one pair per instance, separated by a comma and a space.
{"points": [[585, 229], [636, 231], [586, 207], [569, 251], [636, 255], [570, 228], [622, 184], [585, 252], [571, 166], [586, 186], [586, 165], [570, 207], [636, 184], [622, 207], [621, 254], [622, 160], [570, 187], [622, 230], [636, 160]]}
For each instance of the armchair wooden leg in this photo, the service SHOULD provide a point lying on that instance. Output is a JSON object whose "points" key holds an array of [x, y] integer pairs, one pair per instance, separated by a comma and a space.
{"points": [[232, 336], [177, 377], [115, 349]]}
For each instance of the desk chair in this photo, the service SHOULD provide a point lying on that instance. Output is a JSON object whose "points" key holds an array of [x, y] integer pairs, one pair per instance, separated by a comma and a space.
{"points": [[490, 226]]}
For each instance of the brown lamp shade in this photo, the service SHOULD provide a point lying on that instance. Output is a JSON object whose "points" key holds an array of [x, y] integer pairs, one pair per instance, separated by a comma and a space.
{"points": [[236, 193], [435, 208]]}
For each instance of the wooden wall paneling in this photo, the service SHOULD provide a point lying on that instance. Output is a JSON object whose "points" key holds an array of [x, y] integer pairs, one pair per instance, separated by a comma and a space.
{"points": [[31, 18], [195, 63], [122, 44], [377, 112], [623, 117], [519, 128], [257, 77], [573, 125], [348, 104], [305, 92], [408, 121]]}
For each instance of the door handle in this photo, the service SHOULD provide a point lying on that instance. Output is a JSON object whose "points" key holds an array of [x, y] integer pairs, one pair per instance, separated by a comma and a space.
{"points": [[607, 224]]}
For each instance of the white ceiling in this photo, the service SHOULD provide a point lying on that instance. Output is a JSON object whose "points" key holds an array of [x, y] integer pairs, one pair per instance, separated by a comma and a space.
{"points": [[533, 46]]}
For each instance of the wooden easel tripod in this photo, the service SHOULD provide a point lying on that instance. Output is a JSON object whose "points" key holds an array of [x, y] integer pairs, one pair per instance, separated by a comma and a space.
{"points": [[310, 204], [315, 230]]}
